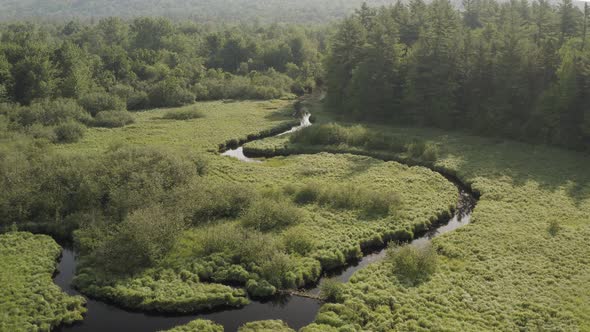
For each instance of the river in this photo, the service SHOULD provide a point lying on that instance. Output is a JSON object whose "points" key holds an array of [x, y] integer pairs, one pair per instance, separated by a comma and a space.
{"points": [[296, 311]]}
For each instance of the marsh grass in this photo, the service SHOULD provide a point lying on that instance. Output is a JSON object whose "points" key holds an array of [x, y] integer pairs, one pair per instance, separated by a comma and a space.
{"points": [[348, 196], [29, 300], [183, 114]]}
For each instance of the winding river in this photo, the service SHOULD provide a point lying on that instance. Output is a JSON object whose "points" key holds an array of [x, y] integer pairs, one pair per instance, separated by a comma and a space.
{"points": [[296, 311]]}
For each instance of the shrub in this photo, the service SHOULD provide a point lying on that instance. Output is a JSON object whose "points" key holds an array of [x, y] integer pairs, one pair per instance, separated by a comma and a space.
{"points": [[206, 201], [276, 270], [267, 214], [413, 264], [260, 289], [198, 325], [298, 241], [170, 93], [332, 291], [113, 119], [97, 102], [553, 227], [183, 114], [139, 242], [266, 326], [309, 193], [69, 132], [130, 177], [52, 112]]}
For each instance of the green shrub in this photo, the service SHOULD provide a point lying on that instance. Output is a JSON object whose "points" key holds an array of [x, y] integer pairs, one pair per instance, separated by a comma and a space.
{"points": [[113, 119], [183, 114], [332, 291], [266, 326], [309, 193], [170, 93], [412, 264], [206, 201], [267, 215], [131, 177], [297, 240], [198, 325], [51, 113], [276, 271], [553, 227], [260, 289], [139, 242], [97, 102], [69, 132]]}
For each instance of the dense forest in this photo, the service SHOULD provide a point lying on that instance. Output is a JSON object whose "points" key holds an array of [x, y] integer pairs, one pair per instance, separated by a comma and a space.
{"points": [[69, 75], [515, 69], [308, 11]]}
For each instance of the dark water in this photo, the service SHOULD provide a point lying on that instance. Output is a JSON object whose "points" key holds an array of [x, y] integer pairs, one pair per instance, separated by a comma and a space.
{"points": [[296, 311], [103, 317]]}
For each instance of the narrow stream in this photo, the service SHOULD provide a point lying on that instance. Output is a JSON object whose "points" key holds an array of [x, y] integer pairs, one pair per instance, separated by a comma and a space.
{"points": [[296, 311]]}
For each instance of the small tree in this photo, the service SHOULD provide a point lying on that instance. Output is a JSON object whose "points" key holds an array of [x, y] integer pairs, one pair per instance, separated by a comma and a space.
{"points": [[413, 265]]}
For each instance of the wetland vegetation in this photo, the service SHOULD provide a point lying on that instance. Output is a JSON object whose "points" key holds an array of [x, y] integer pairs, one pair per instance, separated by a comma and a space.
{"points": [[115, 137]]}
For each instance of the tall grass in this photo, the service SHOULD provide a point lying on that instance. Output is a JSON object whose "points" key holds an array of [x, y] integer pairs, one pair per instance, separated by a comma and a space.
{"points": [[348, 196]]}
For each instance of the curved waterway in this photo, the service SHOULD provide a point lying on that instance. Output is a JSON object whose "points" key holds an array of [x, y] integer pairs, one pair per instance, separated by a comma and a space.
{"points": [[296, 311]]}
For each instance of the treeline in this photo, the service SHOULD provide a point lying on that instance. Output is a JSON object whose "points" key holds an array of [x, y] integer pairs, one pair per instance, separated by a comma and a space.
{"points": [[302, 11], [515, 69], [116, 65]]}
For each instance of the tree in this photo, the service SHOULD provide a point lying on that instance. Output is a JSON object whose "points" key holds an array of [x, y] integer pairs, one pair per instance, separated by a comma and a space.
{"points": [[75, 70], [34, 76], [149, 33]]}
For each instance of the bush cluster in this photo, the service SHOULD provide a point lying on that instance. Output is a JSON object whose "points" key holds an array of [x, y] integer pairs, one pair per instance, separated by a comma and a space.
{"points": [[413, 264], [270, 215], [112, 119]]}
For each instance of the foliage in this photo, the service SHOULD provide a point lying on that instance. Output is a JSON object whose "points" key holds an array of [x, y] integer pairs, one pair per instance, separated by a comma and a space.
{"points": [[69, 132], [140, 241], [517, 182], [268, 214], [30, 299], [161, 291], [437, 65], [112, 119], [265, 326], [413, 264], [331, 291], [146, 62], [198, 325], [97, 102]]}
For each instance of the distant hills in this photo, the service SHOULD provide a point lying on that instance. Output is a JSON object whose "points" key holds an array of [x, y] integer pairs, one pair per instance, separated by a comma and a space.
{"points": [[299, 11]]}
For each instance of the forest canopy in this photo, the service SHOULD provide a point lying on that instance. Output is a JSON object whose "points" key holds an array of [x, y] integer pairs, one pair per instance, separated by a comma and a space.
{"points": [[515, 69]]}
